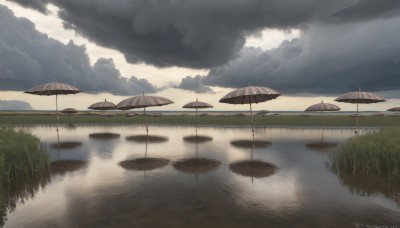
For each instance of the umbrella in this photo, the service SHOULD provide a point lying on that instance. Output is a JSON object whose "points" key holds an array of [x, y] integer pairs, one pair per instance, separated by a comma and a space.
{"points": [[54, 88], [395, 109], [105, 105], [69, 111], [360, 97], [143, 101], [249, 95], [196, 105], [322, 107]]}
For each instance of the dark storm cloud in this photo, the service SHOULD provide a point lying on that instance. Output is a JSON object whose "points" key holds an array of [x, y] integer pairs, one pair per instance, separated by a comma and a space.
{"points": [[325, 59], [29, 58], [15, 105], [40, 5], [194, 84], [188, 33], [368, 9]]}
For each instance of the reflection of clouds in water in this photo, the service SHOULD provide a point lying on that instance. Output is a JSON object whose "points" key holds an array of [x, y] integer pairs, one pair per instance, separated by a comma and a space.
{"points": [[296, 195], [103, 143]]}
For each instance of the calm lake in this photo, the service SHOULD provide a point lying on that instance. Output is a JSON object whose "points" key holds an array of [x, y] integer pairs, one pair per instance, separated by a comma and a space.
{"points": [[117, 177]]}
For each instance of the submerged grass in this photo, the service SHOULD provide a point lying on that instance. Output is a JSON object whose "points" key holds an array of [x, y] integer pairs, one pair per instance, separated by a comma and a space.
{"points": [[24, 167], [370, 163]]}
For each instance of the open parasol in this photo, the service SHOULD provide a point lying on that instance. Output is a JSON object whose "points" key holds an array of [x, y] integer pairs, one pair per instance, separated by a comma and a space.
{"points": [[104, 105], [360, 97], [54, 88], [143, 101], [196, 105], [250, 95]]}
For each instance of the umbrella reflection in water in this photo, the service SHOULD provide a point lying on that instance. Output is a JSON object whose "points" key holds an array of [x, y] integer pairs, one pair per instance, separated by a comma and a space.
{"points": [[196, 165], [62, 166], [146, 163], [322, 107], [252, 168]]}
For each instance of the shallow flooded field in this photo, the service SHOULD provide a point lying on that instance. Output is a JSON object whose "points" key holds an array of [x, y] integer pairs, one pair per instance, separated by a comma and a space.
{"points": [[119, 177]]}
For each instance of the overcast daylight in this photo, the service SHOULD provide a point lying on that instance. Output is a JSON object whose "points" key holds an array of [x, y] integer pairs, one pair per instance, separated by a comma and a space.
{"points": [[200, 113], [308, 50]]}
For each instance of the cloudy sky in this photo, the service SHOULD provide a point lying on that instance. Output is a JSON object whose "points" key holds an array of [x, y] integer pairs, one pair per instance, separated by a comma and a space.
{"points": [[308, 50]]}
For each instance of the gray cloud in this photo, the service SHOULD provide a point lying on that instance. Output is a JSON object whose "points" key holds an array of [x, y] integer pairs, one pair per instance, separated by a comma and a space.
{"points": [[194, 84], [192, 33], [40, 5], [29, 58], [325, 59], [14, 105]]}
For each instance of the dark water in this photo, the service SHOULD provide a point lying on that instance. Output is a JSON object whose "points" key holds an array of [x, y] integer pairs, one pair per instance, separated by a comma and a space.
{"points": [[107, 179]]}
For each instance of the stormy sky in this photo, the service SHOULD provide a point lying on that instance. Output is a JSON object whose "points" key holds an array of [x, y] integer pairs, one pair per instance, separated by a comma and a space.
{"points": [[342, 45]]}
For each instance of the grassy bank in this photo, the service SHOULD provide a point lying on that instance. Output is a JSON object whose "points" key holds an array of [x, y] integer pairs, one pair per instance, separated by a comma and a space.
{"points": [[284, 120], [24, 167], [370, 163]]}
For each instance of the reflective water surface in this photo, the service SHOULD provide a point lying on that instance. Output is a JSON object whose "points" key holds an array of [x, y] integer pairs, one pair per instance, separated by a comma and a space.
{"points": [[220, 178]]}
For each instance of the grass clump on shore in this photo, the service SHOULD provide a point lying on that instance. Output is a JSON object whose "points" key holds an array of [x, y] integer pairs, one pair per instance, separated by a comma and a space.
{"points": [[24, 167], [370, 163]]}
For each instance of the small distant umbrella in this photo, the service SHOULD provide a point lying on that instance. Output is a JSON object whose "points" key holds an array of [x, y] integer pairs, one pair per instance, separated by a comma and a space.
{"points": [[54, 88], [105, 105], [196, 105], [69, 111], [143, 101], [250, 95], [323, 107], [360, 97], [395, 109]]}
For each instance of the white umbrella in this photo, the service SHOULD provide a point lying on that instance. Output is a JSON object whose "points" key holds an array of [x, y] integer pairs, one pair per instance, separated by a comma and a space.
{"points": [[250, 95], [360, 97], [143, 101], [54, 88]]}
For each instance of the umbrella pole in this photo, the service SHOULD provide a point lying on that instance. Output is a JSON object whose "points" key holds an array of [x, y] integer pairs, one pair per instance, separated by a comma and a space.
{"points": [[57, 110], [356, 131], [196, 123], [58, 145], [147, 140], [323, 125], [145, 119], [251, 120]]}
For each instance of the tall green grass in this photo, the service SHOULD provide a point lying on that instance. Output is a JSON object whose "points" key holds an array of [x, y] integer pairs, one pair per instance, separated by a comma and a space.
{"points": [[260, 121], [370, 163], [24, 168]]}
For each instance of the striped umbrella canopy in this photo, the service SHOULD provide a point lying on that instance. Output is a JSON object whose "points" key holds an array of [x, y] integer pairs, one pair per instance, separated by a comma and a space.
{"points": [[322, 107], [196, 105], [143, 101], [54, 88], [249, 95], [104, 105], [395, 109], [69, 110], [360, 97]]}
